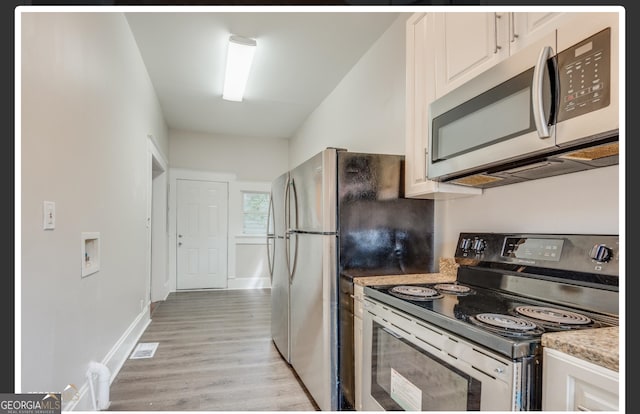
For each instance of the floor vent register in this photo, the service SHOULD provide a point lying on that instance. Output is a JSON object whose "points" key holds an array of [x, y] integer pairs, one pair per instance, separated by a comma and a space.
{"points": [[144, 350]]}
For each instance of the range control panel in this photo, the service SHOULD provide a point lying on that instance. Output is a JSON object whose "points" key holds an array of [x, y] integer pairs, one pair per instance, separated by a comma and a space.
{"points": [[569, 252], [584, 72]]}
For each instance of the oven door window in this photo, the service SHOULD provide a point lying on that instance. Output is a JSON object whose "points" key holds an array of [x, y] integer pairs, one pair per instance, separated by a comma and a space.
{"points": [[406, 377]]}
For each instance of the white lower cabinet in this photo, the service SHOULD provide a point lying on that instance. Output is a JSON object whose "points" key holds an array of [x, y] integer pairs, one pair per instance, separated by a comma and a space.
{"points": [[358, 294], [573, 384]]}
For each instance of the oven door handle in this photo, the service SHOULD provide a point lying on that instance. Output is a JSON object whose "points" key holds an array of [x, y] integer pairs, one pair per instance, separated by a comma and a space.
{"points": [[390, 332]]}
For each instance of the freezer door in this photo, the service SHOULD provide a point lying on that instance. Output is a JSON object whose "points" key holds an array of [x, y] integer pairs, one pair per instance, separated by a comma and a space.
{"points": [[313, 194], [277, 220], [278, 268], [314, 318]]}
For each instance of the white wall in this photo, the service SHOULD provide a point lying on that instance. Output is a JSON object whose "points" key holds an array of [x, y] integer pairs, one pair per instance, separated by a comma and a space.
{"points": [[250, 159], [577, 203], [87, 106], [160, 282], [365, 112], [249, 164]]}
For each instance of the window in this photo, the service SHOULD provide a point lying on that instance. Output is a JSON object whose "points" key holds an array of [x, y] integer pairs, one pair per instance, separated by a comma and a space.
{"points": [[255, 207]]}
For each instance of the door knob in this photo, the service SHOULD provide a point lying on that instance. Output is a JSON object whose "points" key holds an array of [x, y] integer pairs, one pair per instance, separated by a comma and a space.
{"points": [[179, 243], [179, 235]]}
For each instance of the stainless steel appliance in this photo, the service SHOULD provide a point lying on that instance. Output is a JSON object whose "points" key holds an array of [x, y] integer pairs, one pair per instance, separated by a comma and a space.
{"points": [[475, 344], [537, 114], [278, 270], [338, 215]]}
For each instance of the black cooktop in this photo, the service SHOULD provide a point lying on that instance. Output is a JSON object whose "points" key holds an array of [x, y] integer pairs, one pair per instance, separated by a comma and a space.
{"points": [[506, 281], [515, 335]]}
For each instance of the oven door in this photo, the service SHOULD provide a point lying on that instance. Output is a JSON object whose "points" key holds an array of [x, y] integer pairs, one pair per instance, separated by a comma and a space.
{"points": [[410, 366]]}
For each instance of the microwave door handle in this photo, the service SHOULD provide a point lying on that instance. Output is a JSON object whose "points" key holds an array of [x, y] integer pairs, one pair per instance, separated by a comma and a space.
{"points": [[537, 93]]}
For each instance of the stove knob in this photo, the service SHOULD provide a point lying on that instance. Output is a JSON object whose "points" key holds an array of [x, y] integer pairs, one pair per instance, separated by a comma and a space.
{"points": [[479, 245], [601, 253], [465, 244]]}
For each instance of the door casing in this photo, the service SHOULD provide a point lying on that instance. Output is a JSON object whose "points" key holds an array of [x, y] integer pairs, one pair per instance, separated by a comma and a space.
{"points": [[186, 174]]}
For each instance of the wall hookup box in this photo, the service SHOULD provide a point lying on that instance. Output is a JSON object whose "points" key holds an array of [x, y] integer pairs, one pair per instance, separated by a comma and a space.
{"points": [[90, 253]]}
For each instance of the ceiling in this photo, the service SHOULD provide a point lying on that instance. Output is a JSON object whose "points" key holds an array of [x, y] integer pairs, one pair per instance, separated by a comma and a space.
{"points": [[300, 58]]}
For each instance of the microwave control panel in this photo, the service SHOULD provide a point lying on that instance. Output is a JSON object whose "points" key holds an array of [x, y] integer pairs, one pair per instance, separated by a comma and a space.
{"points": [[584, 75]]}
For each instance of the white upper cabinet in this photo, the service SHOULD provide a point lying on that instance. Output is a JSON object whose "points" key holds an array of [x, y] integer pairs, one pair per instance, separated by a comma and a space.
{"points": [[420, 92], [526, 28], [467, 44]]}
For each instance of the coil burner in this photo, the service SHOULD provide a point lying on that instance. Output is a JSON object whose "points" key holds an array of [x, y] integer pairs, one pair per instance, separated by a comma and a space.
{"points": [[556, 319], [417, 293], [453, 288], [506, 325], [553, 315]]}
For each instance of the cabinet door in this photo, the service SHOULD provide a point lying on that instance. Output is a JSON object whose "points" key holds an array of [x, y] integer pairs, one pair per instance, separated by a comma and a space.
{"points": [[572, 384], [467, 44], [420, 91], [526, 28]]}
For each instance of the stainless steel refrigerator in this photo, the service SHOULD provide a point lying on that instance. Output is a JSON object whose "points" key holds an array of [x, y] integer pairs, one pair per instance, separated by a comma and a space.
{"points": [[278, 270], [338, 215]]}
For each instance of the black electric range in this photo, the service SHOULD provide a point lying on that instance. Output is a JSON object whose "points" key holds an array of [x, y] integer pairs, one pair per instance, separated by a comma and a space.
{"points": [[512, 288]]}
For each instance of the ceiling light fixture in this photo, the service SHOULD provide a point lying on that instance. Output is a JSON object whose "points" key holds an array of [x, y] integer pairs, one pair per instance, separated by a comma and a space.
{"points": [[239, 56]]}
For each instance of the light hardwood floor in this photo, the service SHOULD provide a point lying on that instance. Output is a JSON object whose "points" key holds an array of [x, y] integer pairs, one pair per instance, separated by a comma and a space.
{"points": [[215, 353]]}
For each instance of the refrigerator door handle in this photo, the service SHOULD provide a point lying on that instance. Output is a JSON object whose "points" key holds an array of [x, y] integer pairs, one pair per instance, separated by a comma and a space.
{"points": [[290, 231], [286, 227], [270, 237], [292, 271]]}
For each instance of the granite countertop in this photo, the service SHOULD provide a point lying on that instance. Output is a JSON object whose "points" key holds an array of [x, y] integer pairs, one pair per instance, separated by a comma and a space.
{"points": [[447, 274], [599, 346], [404, 279]]}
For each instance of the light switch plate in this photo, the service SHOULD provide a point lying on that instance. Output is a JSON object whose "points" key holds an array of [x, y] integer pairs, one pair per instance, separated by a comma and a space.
{"points": [[49, 215]]}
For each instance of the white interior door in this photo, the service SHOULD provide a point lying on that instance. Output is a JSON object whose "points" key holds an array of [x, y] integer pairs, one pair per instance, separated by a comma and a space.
{"points": [[201, 241]]}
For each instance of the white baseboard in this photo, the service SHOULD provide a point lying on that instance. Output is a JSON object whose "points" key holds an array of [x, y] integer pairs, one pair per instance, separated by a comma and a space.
{"points": [[239, 283], [249, 283], [114, 360]]}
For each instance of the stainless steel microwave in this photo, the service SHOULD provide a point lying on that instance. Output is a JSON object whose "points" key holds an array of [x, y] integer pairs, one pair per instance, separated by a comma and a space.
{"points": [[537, 114]]}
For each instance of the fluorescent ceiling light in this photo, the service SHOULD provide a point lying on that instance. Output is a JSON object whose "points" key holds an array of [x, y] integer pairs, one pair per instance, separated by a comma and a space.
{"points": [[239, 57]]}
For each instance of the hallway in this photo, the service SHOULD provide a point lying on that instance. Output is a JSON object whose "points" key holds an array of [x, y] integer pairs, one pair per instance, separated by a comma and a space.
{"points": [[215, 354]]}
